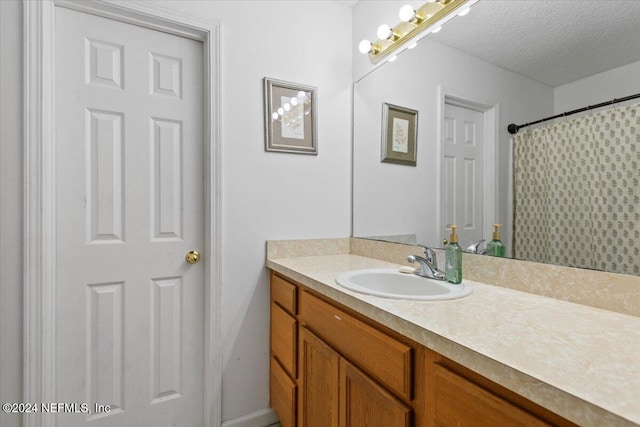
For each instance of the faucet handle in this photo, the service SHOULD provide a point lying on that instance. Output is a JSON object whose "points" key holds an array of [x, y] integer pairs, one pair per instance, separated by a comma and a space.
{"points": [[425, 249], [474, 247], [430, 255], [433, 258]]}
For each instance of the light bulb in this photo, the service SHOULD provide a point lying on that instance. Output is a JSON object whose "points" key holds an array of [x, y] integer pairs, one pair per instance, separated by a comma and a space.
{"points": [[280, 111], [275, 116], [393, 58], [294, 101], [407, 14], [436, 29], [365, 47], [464, 12], [287, 107], [412, 45], [384, 32]]}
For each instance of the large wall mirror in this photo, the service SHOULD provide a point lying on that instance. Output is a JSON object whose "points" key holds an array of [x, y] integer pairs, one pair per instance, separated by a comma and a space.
{"points": [[506, 62]]}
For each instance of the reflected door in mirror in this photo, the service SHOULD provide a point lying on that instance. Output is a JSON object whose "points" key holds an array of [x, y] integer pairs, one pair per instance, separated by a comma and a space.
{"points": [[462, 166]]}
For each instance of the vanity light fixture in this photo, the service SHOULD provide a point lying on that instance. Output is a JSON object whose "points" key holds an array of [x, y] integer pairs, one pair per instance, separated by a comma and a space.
{"points": [[292, 112], [385, 32], [427, 19]]}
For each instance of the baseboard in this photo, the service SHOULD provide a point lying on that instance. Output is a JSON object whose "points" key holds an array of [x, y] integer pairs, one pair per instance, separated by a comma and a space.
{"points": [[263, 418]]}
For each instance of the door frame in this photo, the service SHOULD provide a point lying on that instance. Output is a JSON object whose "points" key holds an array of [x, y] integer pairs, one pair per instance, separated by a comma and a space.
{"points": [[490, 154], [40, 195]]}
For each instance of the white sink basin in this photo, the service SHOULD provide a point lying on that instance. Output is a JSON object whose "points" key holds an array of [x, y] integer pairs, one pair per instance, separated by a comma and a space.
{"points": [[390, 283]]}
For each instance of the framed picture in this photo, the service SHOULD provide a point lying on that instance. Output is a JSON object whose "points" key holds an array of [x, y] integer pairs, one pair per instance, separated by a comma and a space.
{"points": [[399, 134], [290, 116]]}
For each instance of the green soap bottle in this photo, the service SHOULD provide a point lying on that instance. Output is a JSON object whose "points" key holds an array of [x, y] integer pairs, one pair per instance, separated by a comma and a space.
{"points": [[453, 259], [496, 247]]}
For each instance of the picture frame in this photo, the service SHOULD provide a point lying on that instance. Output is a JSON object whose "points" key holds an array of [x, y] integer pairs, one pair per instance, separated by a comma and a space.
{"points": [[290, 117], [399, 134]]}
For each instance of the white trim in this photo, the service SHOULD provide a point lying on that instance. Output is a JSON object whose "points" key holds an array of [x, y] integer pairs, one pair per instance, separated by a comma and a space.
{"points": [[265, 417], [490, 154], [508, 222], [39, 209], [39, 189]]}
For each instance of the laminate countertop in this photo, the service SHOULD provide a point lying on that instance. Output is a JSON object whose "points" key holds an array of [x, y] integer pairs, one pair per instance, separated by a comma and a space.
{"points": [[580, 362]]}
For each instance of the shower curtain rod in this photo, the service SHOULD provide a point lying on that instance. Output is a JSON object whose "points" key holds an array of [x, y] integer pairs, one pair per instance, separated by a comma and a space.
{"points": [[513, 128]]}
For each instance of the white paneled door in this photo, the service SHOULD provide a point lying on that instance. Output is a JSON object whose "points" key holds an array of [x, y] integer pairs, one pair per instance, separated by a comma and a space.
{"points": [[462, 173], [129, 207]]}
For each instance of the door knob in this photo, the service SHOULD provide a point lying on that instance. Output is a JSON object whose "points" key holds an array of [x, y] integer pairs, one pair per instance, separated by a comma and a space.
{"points": [[192, 257]]}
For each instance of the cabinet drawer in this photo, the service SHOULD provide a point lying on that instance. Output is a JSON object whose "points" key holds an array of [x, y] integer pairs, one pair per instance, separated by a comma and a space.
{"points": [[284, 342], [459, 402], [284, 293], [282, 394], [381, 356]]}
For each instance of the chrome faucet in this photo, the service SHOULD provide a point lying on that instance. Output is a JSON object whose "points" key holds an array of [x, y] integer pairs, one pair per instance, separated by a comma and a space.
{"points": [[427, 265], [474, 248]]}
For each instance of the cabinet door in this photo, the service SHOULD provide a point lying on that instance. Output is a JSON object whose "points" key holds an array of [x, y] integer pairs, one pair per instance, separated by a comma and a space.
{"points": [[460, 403], [387, 360], [282, 395], [318, 375], [366, 404]]}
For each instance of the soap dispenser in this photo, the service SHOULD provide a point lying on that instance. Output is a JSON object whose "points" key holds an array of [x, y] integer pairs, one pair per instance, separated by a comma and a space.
{"points": [[496, 247], [453, 258]]}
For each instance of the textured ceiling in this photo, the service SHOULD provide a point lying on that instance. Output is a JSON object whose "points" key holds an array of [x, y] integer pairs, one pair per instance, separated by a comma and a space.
{"points": [[551, 41]]}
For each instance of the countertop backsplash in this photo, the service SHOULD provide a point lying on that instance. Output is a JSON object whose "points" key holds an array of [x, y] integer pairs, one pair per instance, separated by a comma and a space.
{"points": [[608, 291]]}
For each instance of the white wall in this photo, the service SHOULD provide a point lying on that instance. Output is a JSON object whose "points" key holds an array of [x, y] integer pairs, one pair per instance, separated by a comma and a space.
{"points": [[616, 83], [265, 195], [10, 207], [396, 199]]}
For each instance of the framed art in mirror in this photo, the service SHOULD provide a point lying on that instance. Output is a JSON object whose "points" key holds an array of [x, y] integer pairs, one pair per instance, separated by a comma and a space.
{"points": [[399, 134], [290, 116]]}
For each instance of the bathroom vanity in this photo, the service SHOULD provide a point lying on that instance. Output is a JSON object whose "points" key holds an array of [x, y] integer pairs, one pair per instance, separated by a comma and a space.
{"points": [[497, 357]]}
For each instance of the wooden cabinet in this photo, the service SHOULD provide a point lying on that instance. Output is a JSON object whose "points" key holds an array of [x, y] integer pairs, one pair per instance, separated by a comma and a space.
{"points": [[284, 293], [365, 403], [366, 395], [459, 403], [283, 394], [319, 368], [284, 346], [284, 339], [333, 367], [336, 393], [457, 397], [386, 359]]}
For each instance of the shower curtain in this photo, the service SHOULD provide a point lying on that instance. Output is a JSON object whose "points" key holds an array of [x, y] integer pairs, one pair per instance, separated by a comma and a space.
{"points": [[576, 192]]}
